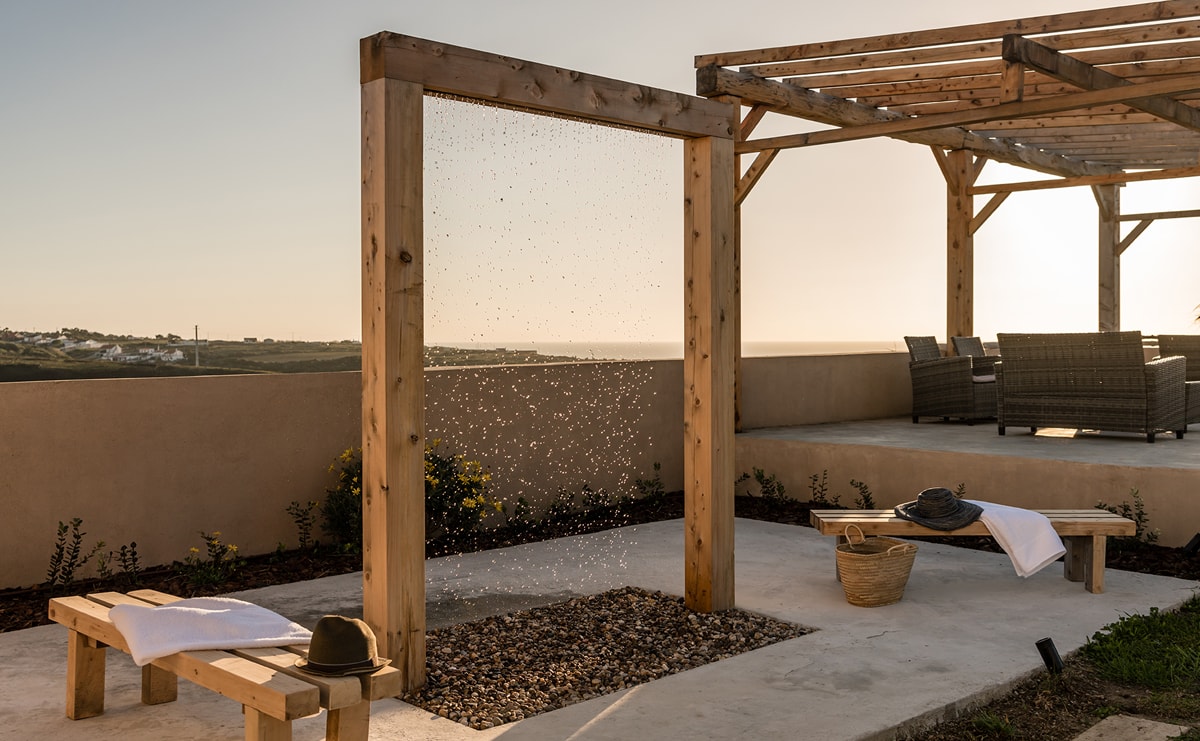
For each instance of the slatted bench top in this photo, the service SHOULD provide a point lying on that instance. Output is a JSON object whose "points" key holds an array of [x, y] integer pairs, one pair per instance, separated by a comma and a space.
{"points": [[1066, 522], [264, 680]]}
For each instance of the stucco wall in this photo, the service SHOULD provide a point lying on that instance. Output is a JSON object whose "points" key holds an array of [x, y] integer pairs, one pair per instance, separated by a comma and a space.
{"points": [[811, 389], [158, 460]]}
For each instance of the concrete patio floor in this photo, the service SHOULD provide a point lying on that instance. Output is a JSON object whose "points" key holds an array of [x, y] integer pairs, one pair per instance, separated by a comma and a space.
{"points": [[964, 632]]}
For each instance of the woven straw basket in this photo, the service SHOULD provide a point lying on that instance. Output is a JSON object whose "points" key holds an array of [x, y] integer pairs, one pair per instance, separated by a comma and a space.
{"points": [[874, 571]]}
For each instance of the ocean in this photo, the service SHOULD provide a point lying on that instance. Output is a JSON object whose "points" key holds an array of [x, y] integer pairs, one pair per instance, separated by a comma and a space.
{"points": [[674, 350]]}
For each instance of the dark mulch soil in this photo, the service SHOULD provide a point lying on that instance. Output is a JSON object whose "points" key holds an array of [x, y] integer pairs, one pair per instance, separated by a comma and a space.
{"points": [[26, 607]]}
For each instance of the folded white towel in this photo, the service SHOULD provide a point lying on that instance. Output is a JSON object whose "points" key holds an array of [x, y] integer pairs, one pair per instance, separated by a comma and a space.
{"points": [[202, 623], [1026, 536]]}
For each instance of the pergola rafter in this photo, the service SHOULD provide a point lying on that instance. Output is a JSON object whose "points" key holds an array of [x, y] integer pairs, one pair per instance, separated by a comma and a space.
{"points": [[1085, 96]]}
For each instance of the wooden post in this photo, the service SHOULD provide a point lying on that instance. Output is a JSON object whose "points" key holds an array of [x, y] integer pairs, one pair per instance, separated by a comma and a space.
{"points": [[393, 379], [960, 245], [708, 373], [1108, 202]]}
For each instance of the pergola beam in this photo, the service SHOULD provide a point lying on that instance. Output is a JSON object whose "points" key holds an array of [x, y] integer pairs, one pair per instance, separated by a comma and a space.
{"points": [[1017, 109], [516, 83], [829, 109], [1048, 61], [1112, 179]]}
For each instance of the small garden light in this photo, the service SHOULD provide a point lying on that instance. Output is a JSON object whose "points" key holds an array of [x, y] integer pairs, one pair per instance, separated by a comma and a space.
{"points": [[1050, 657]]}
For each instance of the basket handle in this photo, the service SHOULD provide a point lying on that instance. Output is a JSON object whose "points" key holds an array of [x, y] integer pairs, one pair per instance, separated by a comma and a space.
{"points": [[861, 538], [898, 545]]}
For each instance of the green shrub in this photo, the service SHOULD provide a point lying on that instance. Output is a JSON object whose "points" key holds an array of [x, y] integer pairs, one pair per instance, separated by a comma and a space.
{"points": [[215, 566], [456, 498], [68, 556], [1136, 512], [651, 489]]}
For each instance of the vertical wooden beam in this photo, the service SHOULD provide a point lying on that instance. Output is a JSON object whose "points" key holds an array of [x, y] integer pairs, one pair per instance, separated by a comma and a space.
{"points": [[1108, 202], [752, 119], [708, 368], [393, 379], [960, 245]]}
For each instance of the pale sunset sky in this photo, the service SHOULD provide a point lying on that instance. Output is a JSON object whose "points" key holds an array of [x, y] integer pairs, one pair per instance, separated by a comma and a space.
{"points": [[171, 164]]}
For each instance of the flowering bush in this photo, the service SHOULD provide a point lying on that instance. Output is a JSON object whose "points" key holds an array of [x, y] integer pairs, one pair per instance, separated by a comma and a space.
{"points": [[213, 567], [456, 499]]}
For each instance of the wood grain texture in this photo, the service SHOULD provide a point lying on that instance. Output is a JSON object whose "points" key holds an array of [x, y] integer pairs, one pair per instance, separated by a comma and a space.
{"points": [[393, 412]]}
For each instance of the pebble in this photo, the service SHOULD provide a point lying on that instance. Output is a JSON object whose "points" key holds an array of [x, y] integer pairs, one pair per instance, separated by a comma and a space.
{"points": [[506, 668]]}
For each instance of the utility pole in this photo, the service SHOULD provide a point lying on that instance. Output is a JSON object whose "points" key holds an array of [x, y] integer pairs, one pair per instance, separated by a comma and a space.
{"points": [[197, 345]]}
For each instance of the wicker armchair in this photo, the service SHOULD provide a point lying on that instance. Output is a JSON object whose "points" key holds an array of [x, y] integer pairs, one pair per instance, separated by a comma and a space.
{"points": [[1187, 345], [1092, 380], [947, 387], [972, 347]]}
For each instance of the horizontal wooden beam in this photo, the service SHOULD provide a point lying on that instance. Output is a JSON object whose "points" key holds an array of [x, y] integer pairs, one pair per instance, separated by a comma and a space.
{"points": [[1160, 215], [829, 109], [1061, 66], [1018, 109], [1144, 13], [497, 80], [1119, 177]]}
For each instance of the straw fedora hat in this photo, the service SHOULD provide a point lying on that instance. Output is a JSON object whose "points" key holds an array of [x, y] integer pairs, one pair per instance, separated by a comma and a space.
{"points": [[342, 646], [939, 509]]}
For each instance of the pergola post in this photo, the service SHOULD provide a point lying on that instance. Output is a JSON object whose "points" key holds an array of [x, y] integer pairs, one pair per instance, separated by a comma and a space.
{"points": [[1108, 202], [393, 376], [960, 244], [708, 371]]}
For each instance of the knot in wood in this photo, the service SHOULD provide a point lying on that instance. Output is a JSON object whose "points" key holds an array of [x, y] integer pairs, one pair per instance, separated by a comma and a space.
{"points": [[406, 256], [415, 438]]}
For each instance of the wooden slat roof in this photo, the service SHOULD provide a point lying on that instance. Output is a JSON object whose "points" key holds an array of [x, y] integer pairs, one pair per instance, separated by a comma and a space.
{"points": [[1083, 93]]}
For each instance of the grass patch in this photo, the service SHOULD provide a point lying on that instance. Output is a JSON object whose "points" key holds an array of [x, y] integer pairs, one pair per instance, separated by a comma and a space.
{"points": [[1158, 651]]}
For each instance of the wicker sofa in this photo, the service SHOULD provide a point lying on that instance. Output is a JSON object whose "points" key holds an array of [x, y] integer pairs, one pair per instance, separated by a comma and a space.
{"points": [[1187, 345], [960, 387], [1092, 380]]}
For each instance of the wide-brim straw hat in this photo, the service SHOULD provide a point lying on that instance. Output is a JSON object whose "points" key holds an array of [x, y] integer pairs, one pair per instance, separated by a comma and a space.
{"points": [[342, 646], [939, 509]]}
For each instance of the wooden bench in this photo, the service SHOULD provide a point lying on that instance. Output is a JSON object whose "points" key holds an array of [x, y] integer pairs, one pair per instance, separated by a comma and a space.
{"points": [[1083, 532], [272, 691]]}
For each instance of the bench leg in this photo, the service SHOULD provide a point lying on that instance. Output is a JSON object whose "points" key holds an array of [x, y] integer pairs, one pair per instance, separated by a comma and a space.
{"points": [[158, 685], [1094, 565], [1085, 561], [349, 724], [1073, 562], [85, 676], [262, 727]]}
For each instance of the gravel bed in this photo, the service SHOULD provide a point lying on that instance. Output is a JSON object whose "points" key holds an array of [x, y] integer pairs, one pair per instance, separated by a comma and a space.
{"points": [[505, 668]]}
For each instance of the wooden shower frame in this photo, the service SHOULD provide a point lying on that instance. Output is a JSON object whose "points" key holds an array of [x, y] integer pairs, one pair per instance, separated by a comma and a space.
{"points": [[397, 71]]}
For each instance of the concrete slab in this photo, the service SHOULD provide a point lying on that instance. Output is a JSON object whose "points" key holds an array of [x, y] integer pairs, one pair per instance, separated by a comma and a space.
{"points": [[965, 631], [1129, 728]]}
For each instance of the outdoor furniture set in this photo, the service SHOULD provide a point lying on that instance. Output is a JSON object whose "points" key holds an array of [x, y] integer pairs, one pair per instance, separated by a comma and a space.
{"points": [[1092, 380], [271, 683]]}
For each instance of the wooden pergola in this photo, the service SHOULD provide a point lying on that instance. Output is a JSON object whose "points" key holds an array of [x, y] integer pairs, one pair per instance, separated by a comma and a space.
{"points": [[397, 72], [1087, 96]]}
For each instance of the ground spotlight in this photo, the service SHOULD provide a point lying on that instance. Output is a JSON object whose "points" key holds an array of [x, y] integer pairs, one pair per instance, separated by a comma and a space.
{"points": [[1050, 657]]}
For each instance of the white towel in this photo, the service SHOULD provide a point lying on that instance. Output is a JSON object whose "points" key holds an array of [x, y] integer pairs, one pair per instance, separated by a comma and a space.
{"points": [[202, 623], [1026, 536]]}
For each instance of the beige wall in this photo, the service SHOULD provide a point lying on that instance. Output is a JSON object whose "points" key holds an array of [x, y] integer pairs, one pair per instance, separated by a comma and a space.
{"points": [[158, 460], [811, 389]]}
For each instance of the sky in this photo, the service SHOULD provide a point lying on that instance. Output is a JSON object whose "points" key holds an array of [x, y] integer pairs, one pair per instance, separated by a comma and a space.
{"points": [[168, 165]]}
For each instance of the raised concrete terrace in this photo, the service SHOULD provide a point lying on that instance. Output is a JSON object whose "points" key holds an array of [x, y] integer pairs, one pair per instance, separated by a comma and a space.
{"points": [[964, 632]]}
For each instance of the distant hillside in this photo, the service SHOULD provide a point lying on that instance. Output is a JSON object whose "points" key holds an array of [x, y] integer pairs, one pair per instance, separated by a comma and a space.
{"points": [[78, 353]]}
